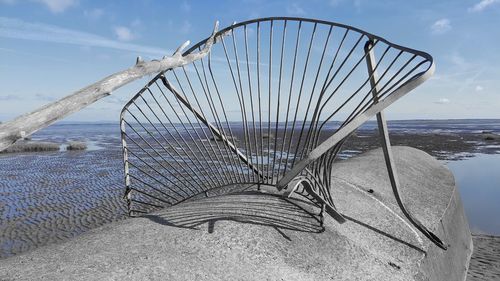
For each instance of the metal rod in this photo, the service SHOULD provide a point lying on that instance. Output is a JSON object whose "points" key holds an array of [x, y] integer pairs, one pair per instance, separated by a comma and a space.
{"points": [[386, 146], [318, 78], [216, 132]]}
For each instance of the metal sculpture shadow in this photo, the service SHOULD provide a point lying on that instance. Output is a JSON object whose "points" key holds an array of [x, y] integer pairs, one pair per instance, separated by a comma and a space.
{"points": [[249, 206], [271, 105]]}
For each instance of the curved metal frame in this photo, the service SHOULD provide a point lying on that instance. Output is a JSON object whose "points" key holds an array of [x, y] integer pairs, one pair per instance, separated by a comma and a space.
{"points": [[206, 151]]}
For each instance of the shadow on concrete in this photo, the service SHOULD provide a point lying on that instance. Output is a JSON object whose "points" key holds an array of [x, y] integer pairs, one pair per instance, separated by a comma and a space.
{"points": [[254, 207], [245, 207], [384, 233]]}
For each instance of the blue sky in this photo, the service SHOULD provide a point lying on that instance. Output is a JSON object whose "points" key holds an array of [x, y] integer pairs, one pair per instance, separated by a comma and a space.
{"points": [[50, 48]]}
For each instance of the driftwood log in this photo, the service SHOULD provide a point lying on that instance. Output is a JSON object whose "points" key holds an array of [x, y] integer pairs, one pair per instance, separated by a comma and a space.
{"points": [[29, 123]]}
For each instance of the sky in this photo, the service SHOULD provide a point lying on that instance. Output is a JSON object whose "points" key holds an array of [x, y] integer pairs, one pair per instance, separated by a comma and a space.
{"points": [[51, 48]]}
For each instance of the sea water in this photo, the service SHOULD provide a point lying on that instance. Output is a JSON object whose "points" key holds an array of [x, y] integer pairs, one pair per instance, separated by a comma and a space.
{"points": [[478, 179]]}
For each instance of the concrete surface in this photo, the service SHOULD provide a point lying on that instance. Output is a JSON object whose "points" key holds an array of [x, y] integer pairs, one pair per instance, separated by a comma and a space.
{"points": [[249, 236]]}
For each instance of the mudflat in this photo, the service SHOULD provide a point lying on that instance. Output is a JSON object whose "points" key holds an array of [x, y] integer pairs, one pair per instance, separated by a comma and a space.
{"points": [[485, 260], [53, 196]]}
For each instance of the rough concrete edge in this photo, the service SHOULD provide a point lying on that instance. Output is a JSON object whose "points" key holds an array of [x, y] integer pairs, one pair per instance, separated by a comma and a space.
{"points": [[471, 243], [439, 264]]}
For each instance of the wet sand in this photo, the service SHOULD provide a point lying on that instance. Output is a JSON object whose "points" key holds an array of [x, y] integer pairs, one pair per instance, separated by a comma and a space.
{"points": [[50, 197], [449, 146], [485, 260]]}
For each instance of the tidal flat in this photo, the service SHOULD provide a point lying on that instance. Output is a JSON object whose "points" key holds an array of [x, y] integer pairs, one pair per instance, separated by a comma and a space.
{"points": [[48, 197]]}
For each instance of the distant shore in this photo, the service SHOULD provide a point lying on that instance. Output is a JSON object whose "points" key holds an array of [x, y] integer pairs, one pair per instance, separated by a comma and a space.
{"points": [[443, 146]]}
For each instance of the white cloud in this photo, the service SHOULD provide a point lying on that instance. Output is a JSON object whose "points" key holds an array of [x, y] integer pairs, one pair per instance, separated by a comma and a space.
{"points": [[442, 101], [295, 9], [19, 29], [356, 3], [185, 27], [17, 52], [441, 26], [185, 6], [55, 6], [93, 14], [479, 88], [482, 5], [335, 3], [9, 97], [58, 6], [123, 33], [464, 72], [136, 23], [115, 100], [458, 60], [44, 97]]}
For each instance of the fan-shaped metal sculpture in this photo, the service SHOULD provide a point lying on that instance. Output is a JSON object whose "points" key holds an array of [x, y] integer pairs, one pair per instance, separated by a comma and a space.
{"points": [[270, 106]]}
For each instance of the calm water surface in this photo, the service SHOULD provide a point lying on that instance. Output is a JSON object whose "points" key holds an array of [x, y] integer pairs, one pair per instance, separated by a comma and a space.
{"points": [[478, 179]]}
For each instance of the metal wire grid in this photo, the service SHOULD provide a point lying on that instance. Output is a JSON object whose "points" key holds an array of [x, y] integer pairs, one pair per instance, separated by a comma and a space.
{"points": [[265, 97]]}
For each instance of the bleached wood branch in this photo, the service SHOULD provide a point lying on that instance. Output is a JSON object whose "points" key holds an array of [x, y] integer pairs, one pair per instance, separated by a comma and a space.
{"points": [[29, 123]]}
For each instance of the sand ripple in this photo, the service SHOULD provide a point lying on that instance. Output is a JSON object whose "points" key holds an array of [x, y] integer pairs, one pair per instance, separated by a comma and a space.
{"points": [[485, 261], [50, 197]]}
